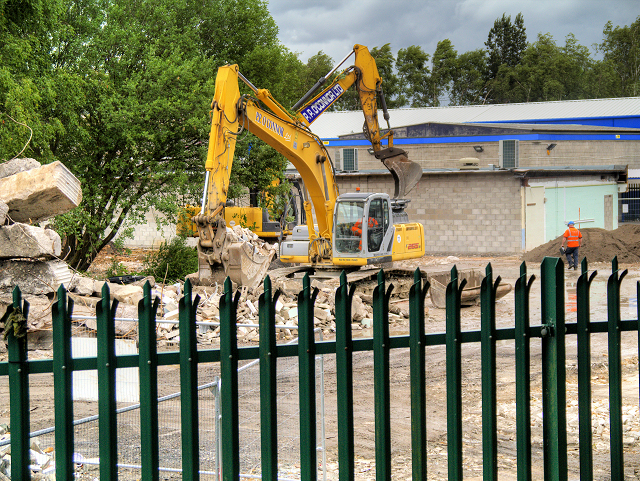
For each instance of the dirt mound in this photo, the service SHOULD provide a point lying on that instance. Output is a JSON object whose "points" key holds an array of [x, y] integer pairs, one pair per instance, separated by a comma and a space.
{"points": [[598, 245]]}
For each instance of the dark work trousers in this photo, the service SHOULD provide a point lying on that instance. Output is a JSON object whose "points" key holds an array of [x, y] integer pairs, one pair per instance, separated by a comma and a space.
{"points": [[572, 256]]}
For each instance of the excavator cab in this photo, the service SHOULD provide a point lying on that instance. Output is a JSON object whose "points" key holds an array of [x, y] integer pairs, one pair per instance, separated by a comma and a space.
{"points": [[363, 227]]}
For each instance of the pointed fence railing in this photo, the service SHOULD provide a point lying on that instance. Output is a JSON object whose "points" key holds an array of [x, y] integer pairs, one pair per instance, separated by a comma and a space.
{"points": [[552, 333]]}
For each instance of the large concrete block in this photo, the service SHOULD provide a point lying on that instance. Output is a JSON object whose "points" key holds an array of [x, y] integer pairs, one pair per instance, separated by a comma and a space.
{"points": [[40, 193], [4, 208], [23, 240], [33, 277], [17, 165]]}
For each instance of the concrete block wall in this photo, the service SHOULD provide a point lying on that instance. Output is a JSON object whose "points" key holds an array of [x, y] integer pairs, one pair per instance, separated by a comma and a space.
{"points": [[532, 154], [150, 234], [465, 213]]}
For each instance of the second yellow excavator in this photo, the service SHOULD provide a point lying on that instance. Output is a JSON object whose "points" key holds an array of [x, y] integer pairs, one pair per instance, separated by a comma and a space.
{"points": [[353, 229]]}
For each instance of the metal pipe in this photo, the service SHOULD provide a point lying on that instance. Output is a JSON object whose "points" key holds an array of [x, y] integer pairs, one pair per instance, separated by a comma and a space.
{"points": [[249, 84], [319, 83], [204, 193]]}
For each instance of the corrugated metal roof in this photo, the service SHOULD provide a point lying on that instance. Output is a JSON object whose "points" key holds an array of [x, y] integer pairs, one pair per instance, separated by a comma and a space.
{"points": [[333, 124]]}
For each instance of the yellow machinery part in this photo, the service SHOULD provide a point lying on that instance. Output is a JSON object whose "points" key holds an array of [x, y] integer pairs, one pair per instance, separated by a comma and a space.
{"points": [[186, 227], [408, 242]]}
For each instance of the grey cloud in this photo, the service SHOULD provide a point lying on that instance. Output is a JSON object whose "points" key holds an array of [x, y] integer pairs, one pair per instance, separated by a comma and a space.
{"points": [[334, 26]]}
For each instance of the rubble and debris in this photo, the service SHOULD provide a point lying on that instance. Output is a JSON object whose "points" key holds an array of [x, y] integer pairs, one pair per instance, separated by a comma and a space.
{"points": [[14, 166], [40, 193], [22, 240], [33, 277], [4, 209], [598, 245]]}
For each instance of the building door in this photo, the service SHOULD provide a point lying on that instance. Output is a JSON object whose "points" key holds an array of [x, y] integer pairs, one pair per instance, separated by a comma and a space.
{"points": [[534, 229]]}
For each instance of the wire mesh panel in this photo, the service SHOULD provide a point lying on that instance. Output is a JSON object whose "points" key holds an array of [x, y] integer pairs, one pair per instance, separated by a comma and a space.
{"points": [[288, 417]]}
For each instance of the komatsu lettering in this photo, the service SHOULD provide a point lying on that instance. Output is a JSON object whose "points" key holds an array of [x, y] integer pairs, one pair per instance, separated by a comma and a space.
{"points": [[269, 124], [323, 102]]}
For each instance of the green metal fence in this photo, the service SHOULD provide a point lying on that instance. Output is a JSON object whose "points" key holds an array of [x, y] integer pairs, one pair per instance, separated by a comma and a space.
{"points": [[552, 333]]}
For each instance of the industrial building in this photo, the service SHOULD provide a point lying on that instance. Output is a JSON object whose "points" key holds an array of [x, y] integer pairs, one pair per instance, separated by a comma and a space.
{"points": [[500, 178]]}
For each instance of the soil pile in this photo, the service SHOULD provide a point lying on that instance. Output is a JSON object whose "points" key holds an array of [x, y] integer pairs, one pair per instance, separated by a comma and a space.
{"points": [[598, 245]]}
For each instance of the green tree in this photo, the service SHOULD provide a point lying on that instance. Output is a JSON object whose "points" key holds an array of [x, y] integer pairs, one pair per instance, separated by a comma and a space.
{"points": [[385, 62], [469, 78], [505, 44], [444, 66], [621, 48], [548, 72], [142, 82], [413, 76], [27, 80], [316, 68]]}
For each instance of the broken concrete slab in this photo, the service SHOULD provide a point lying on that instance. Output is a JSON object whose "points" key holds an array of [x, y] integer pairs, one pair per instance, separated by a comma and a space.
{"points": [[127, 293], [123, 328], [17, 165], [23, 240], [81, 285], [84, 301], [4, 208], [40, 193], [33, 277]]}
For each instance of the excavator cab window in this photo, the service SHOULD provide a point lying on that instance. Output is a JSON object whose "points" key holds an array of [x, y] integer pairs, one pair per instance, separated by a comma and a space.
{"points": [[348, 232], [377, 224]]}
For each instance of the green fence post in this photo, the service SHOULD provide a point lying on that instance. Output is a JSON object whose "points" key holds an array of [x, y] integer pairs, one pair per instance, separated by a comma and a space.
{"points": [[268, 386], [554, 424], [584, 373], [417, 294], [189, 383], [61, 312], [148, 366], [454, 376], [229, 383], [615, 370], [15, 333], [307, 381], [523, 375], [381, 385], [488, 373], [344, 374], [106, 364]]}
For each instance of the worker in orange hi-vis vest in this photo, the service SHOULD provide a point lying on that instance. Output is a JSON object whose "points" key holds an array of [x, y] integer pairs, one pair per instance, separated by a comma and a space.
{"points": [[573, 238], [357, 228]]}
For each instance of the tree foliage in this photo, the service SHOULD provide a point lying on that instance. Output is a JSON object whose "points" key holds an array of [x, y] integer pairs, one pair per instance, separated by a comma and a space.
{"points": [[505, 44], [120, 92], [469, 78], [413, 76], [621, 48], [444, 69]]}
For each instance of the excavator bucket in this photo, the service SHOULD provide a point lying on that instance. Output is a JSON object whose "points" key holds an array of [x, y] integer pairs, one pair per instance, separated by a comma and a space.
{"points": [[405, 172], [247, 266], [235, 252]]}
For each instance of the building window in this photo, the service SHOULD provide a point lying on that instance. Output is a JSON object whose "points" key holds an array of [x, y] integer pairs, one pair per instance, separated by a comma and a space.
{"points": [[350, 160], [508, 154]]}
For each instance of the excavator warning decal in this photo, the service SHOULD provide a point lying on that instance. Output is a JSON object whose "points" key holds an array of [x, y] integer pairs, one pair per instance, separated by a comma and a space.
{"points": [[322, 103]]}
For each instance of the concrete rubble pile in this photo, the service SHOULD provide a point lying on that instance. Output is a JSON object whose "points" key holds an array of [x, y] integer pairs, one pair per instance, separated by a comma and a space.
{"points": [[286, 310], [29, 258], [29, 255]]}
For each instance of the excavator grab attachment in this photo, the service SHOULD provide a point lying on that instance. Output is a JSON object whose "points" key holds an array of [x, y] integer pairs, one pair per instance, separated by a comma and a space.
{"points": [[405, 172]]}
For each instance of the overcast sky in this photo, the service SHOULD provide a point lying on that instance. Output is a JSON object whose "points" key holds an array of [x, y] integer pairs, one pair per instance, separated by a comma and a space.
{"points": [[334, 26]]}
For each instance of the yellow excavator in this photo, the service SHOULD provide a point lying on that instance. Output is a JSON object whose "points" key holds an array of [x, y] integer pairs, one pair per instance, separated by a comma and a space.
{"points": [[353, 229]]}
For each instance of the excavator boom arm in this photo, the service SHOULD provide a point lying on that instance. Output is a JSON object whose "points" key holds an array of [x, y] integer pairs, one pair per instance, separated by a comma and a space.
{"points": [[232, 113], [364, 74]]}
